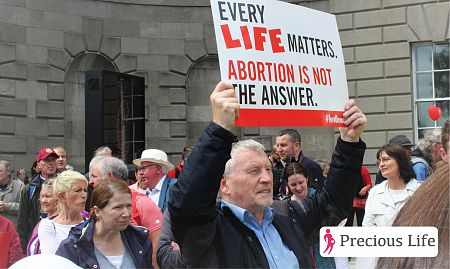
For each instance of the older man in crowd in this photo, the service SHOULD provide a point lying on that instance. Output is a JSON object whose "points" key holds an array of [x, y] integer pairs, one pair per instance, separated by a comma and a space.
{"points": [[101, 151], [9, 193], [243, 231], [61, 162], [30, 207], [103, 168], [153, 166]]}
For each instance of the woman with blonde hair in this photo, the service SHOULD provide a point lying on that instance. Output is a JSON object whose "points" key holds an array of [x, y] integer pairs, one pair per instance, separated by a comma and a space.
{"points": [[107, 239], [70, 190], [48, 210]]}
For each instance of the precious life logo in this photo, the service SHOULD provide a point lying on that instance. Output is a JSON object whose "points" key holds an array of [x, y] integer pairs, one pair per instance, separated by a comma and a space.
{"points": [[378, 241]]}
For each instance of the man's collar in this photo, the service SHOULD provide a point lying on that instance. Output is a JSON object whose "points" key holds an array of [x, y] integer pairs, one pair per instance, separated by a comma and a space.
{"points": [[246, 217], [160, 183]]}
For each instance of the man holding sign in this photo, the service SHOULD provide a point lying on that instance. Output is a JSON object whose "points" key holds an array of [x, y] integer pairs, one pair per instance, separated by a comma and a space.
{"points": [[243, 231]]}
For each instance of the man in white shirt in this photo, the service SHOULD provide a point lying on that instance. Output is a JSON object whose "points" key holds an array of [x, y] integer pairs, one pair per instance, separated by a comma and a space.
{"points": [[153, 166]]}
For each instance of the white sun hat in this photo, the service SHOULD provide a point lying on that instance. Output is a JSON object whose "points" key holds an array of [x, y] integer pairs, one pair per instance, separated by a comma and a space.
{"points": [[154, 156], [44, 261]]}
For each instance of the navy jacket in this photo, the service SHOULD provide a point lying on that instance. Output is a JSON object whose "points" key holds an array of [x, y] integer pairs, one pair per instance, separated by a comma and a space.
{"points": [[79, 246], [29, 210], [211, 236], [165, 192]]}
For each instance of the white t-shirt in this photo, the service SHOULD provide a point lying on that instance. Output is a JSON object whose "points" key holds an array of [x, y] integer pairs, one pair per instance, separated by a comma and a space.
{"points": [[156, 192], [51, 234], [115, 260]]}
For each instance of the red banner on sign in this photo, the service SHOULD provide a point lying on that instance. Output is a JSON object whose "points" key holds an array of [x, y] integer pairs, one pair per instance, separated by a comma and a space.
{"points": [[288, 117]]}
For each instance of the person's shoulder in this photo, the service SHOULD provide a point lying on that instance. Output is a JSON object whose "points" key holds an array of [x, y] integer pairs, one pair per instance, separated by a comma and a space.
{"points": [[310, 162], [378, 188], [5, 222], [419, 164], [17, 183], [46, 221], [139, 232], [413, 184]]}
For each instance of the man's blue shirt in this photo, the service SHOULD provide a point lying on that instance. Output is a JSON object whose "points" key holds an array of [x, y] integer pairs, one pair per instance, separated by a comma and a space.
{"points": [[420, 170], [277, 253]]}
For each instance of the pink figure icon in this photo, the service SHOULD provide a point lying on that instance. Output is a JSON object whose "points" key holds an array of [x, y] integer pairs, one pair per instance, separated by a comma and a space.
{"points": [[330, 241]]}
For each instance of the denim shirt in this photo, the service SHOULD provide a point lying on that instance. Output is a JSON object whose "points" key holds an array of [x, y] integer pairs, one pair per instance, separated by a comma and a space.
{"points": [[277, 253]]}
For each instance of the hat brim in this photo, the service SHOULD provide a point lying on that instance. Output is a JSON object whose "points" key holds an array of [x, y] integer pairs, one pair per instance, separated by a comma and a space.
{"points": [[407, 145], [52, 153], [169, 165]]}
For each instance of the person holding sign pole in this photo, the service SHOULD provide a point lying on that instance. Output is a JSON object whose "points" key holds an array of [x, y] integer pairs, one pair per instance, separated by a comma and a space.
{"points": [[243, 231]]}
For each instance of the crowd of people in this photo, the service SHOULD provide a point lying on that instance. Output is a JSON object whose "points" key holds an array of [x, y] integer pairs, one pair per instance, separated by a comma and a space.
{"points": [[227, 203]]}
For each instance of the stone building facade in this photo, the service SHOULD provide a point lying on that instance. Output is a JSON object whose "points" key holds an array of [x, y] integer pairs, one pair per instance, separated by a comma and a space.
{"points": [[46, 45]]}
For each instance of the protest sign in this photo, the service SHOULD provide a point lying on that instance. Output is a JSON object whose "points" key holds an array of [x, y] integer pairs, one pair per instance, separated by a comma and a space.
{"points": [[285, 62]]}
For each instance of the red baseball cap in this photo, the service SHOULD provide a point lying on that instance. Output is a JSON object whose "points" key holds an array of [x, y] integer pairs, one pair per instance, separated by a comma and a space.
{"points": [[44, 153]]}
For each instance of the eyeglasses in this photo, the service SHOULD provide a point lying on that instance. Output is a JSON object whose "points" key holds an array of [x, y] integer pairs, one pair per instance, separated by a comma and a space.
{"points": [[384, 160], [142, 168]]}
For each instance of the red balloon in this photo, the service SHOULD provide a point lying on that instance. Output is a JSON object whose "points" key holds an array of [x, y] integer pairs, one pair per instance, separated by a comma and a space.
{"points": [[434, 112]]}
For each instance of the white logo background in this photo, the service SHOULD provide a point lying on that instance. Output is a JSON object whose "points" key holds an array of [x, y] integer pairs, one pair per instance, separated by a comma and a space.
{"points": [[381, 242]]}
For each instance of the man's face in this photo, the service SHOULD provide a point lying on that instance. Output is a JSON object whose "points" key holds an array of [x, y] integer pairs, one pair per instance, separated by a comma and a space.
{"points": [[435, 152], [61, 162], [151, 172], [95, 175], [408, 150], [4, 174], [142, 183], [275, 157], [250, 183], [48, 166], [286, 148]]}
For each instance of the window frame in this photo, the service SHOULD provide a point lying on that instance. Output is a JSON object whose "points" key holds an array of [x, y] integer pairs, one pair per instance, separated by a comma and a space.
{"points": [[414, 73]]}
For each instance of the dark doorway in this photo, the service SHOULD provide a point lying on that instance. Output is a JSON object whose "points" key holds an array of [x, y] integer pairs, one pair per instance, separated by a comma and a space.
{"points": [[115, 114]]}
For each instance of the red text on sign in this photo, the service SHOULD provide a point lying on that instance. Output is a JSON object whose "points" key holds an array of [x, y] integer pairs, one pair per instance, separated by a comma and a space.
{"points": [[259, 38], [322, 76]]}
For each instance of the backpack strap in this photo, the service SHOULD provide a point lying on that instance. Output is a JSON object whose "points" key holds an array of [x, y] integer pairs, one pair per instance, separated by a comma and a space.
{"points": [[31, 192], [416, 159]]}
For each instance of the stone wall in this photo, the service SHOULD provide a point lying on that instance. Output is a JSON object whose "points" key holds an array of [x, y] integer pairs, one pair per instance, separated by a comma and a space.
{"points": [[376, 36], [45, 45]]}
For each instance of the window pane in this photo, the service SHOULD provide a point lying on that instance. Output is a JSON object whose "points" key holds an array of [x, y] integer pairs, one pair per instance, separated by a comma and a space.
{"points": [[444, 106], [441, 84], [422, 114], [138, 107], [441, 57], [139, 132], [127, 107], [138, 148], [422, 133], [424, 86], [423, 58], [129, 131], [138, 86]]}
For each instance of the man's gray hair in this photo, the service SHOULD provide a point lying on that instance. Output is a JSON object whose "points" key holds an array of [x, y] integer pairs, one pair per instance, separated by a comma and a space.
{"points": [[240, 147], [103, 151], [426, 143], [110, 164], [6, 164]]}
